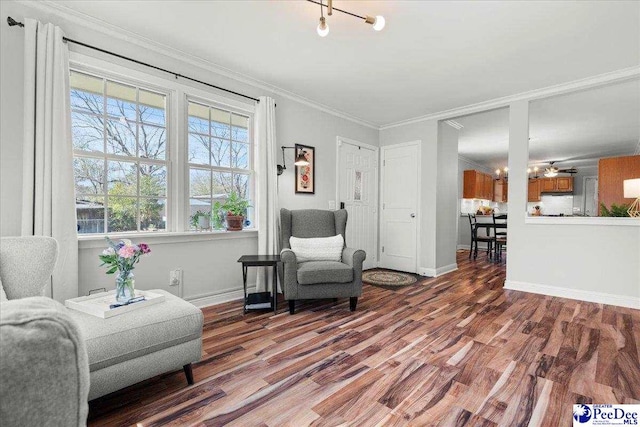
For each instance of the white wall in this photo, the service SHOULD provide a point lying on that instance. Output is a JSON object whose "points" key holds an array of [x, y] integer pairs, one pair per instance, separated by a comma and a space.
{"points": [[592, 262], [210, 266], [447, 213]]}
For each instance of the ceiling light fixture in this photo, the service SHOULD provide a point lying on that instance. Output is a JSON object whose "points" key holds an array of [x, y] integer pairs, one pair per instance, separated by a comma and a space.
{"points": [[377, 22], [323, 27], [551, 171]]}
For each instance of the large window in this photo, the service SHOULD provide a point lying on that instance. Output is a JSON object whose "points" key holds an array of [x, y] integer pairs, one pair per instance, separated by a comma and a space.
{"points": [[120, 155], [220, 158]]}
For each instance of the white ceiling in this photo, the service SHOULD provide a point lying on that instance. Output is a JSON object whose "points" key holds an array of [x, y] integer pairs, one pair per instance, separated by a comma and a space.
{"points": [[574, 129], [432, 56]]}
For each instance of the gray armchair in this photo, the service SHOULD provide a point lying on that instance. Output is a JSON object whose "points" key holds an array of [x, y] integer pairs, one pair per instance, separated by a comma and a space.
{"points": [[318, 279], [44, 369]]}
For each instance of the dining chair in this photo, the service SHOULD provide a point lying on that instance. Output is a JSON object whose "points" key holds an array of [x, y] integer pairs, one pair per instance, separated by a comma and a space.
{"points": [[500, 231], [476, 237]]}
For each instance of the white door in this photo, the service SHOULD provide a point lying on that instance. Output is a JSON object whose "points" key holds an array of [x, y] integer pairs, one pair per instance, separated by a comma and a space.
{"points": [[591, 196], [357, 190], [398, 239]]}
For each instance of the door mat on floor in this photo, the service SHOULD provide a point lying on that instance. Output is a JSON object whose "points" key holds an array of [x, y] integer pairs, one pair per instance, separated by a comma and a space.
{"points": [[387, 278]]}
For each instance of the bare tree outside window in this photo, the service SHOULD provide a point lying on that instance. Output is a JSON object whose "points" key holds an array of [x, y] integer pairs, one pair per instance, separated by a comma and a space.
{"points": [[219, 159], [120, 161]]}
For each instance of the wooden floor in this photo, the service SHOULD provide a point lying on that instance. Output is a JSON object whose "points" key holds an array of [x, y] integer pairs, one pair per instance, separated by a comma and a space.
{"points": [[452, 351]]}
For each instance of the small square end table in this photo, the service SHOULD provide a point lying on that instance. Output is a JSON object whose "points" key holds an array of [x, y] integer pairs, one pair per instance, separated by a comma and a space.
{"points": [[260, 261]]}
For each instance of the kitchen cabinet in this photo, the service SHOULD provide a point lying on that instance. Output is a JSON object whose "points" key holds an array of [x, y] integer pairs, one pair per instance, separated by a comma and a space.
{"points": [[500, 190], [534, 190], [612, 172], [561, 184], [477, 185], [488, 187], [564, 184]]}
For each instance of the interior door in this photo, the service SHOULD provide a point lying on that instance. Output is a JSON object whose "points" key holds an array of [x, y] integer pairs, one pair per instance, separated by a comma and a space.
{"points": [[357, 193], [399, 223], [591, 196]]}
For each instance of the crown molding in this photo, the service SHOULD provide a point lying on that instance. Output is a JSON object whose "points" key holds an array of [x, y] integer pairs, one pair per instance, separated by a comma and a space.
{"points": [[581, 84], [94, 24]]}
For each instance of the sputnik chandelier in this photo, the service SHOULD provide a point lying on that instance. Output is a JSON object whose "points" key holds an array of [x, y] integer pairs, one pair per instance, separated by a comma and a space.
{"points": [[323, 28]]}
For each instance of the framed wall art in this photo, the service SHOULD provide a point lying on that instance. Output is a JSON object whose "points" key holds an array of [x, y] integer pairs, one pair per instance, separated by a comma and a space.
{"points": [[305, 175]]}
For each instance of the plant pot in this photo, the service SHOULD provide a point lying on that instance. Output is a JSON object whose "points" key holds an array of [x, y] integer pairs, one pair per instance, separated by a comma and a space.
{"points": [[235, 222], [203, 222]]}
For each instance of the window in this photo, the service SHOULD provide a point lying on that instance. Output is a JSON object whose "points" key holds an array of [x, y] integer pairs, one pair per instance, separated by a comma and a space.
{"points": [[120, 155], [219, 157]]}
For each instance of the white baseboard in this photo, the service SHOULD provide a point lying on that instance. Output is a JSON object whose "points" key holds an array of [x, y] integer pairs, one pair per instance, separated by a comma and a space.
{"points": [[219, 298], [435, 272], [577, 294]]}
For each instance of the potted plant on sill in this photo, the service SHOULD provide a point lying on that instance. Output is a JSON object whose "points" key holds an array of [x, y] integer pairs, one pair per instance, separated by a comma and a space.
{"points": [[200, 220], [235, 206]]}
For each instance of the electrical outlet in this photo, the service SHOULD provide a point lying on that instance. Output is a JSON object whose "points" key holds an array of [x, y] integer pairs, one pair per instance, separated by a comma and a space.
{"points": [[175, 277], [332, 204]]}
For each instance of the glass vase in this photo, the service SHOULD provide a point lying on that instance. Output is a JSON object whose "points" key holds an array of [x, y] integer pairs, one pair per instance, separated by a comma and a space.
{"points": [[125, 286]]}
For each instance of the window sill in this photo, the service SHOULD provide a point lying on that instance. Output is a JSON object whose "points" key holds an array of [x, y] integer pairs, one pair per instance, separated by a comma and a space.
{"points": [[582, 220], [97, 240]]}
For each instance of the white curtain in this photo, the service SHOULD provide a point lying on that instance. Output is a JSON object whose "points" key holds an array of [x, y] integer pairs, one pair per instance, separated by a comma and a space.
{"points": [[48, 199], [267, 194]]}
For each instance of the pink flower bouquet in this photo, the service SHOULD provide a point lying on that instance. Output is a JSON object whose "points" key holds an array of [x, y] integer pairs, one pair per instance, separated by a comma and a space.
{"points": [[122, 256]]}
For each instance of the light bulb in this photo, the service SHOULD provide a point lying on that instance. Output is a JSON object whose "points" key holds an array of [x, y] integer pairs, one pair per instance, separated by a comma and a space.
{"points": [[323, 28], [379, 23], [498, 172], [506, 169], [528, 170], [536, 169]]}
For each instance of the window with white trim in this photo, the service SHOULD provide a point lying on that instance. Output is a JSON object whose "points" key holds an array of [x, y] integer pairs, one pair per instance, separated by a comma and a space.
{"points": [[121, 155], [220, 160]]}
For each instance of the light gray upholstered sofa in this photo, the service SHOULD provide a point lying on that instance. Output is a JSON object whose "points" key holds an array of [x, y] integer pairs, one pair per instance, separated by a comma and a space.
{"points": [[318, 279], [114, 353]]}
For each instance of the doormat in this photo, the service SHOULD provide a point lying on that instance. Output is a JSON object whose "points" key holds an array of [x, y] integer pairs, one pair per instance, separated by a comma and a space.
{"points": [[388, 278]]}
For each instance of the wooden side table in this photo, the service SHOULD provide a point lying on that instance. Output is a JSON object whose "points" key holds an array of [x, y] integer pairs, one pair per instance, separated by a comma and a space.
{"points": [[259, 298]]}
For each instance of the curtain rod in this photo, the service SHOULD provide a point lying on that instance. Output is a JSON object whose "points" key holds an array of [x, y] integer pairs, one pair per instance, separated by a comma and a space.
{"points": [[12, 23]]}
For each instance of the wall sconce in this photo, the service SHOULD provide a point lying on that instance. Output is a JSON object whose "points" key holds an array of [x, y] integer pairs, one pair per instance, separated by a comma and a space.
{"points": [[300, 160]]}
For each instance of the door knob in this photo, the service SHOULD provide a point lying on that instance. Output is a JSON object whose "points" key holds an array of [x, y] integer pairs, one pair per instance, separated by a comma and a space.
{"points": [[413, 215]]}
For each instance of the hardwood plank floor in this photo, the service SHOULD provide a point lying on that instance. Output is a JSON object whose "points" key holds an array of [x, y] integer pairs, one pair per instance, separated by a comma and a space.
{"points": [[456, 350]]}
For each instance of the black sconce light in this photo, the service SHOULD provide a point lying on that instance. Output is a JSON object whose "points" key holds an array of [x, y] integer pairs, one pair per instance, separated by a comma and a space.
{"points": [[300, 160]]}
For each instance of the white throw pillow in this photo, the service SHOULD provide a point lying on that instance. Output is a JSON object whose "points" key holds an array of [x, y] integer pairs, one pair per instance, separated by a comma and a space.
{"points": [[3, 295], [317, 248]]}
